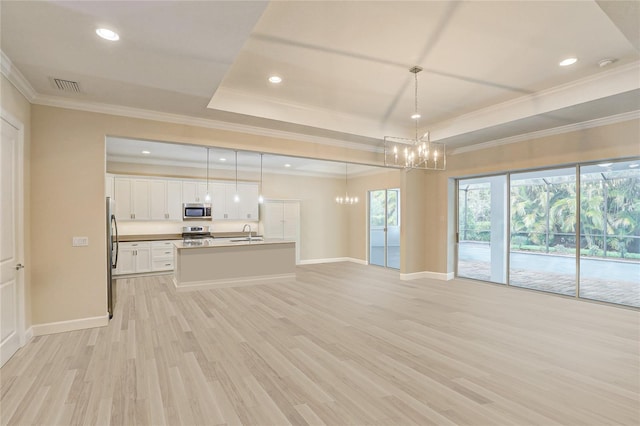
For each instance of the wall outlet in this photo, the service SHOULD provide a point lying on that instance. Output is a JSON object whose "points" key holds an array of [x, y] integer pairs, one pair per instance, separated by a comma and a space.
{"points": [[80, 241]]}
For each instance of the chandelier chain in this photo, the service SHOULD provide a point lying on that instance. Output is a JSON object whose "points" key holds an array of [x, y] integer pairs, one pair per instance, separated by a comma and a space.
{"points": [[415, 75]]}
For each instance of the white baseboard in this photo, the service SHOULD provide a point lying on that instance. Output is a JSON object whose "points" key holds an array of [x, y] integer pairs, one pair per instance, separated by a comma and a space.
{"points": [[28, 335], [71, 325], [442, 276], [333, 260], [238, 282]]}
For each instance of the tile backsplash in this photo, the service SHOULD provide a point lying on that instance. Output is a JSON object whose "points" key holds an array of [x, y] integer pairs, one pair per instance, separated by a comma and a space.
{"points": [[160, 227]]}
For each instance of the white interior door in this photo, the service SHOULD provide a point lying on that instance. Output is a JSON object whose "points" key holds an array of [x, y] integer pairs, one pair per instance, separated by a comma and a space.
{"points": [[11, 314]]}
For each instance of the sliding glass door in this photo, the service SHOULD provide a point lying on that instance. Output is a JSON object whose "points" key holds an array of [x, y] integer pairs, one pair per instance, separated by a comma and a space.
{"points": [[384, 228], [482, 228], [610, 232], [573, 231], [543, 230]]}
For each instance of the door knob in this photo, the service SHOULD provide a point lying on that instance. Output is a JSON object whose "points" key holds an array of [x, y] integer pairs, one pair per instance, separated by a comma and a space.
{"points": [[19, 266]]}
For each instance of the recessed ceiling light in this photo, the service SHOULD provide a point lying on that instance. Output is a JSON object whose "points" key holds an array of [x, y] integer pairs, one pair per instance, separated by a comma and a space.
{"points": [[108, 34], [634, 165], [415, 116], [146, 152], [275, 79], [605, 164], [568, 61], [223, 159], [287, 165]]}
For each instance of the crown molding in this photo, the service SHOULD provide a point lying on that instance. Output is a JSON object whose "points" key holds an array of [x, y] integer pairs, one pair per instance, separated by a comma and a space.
{"points": [[598, 122], [242, 102], [16, 78], [618, 80], [145, 114]]}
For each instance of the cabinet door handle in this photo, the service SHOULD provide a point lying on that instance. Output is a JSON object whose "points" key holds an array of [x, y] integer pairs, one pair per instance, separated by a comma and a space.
{"points": [[167, 264]]}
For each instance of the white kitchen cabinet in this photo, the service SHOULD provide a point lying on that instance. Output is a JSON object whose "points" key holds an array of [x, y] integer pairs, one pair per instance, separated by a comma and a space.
{"points": [[166, 200], [248, 205], [281, 221], [133, 198], [218, 200], [226, 208], [133, 258], [194, 191], [162, 255]]}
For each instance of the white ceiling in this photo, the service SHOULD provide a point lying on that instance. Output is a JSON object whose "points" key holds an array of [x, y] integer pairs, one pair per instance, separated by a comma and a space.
{"points": [[490, 68]]}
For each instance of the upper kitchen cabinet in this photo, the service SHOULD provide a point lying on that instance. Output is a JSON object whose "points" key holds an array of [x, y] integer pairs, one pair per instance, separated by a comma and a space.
{"points": [[224, 205], [194, 191], [132, 197], [166, 199], [248, 204]]}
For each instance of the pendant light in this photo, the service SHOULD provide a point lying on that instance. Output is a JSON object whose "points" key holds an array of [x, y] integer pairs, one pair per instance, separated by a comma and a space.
{"points": [[346, 199], [236, 197], [207, 197], [260, 197]]}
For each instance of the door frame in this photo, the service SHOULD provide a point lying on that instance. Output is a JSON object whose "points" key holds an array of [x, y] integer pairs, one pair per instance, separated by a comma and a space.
{"points": [[386, 227], [20, 249]]}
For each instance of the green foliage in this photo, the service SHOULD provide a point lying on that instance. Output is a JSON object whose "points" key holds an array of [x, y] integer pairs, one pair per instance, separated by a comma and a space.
{"points": [[543, 214]]}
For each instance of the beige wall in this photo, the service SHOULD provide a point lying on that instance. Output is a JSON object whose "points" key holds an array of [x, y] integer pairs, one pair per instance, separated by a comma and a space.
{"points": [[67, 177], [16, 104], [618, 140], [68, 168]]}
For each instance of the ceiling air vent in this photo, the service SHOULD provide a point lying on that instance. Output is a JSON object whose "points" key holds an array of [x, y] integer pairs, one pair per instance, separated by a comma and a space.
{"points": [[67, 85]]}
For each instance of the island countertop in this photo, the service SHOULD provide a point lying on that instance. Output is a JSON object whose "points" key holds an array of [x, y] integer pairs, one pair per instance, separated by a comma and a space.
{"points": [[224, 242]]}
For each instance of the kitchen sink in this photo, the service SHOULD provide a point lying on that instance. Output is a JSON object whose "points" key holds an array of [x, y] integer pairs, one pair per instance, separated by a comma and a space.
{"points": [[238, 240]]}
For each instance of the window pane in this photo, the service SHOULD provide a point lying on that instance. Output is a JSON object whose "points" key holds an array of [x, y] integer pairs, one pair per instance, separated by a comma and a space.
{"points": [[543, 218], [393, 228], [376, 227], [610, 232], [481, 228]]}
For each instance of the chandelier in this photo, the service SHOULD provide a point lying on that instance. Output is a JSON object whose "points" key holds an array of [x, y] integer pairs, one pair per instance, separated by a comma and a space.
{"points": [[417, 153], [346, 199]]}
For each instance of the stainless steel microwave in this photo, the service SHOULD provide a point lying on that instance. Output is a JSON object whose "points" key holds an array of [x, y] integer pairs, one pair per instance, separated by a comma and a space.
{"points": [[196, 211]]}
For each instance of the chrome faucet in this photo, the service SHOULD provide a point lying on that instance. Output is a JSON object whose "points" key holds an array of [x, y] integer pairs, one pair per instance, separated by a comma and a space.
{"points": [[244, 228]]}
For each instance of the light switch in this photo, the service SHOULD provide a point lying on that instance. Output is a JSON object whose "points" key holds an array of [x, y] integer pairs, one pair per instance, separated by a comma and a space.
{"points": [[80, 241]]}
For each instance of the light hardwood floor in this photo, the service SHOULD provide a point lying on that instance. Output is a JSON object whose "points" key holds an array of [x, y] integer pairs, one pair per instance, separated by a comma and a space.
{"points": [[340, 344]]}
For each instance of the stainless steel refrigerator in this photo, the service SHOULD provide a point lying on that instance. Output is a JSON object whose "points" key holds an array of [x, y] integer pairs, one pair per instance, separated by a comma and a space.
{"points": [[112, 253]]}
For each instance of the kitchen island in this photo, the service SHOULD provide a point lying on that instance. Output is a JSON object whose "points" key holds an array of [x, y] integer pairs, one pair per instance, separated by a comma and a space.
{"points": [[214, 263]]}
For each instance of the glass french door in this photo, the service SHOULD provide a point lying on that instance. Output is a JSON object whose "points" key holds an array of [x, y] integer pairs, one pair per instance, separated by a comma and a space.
{"points": [[384, 228]]}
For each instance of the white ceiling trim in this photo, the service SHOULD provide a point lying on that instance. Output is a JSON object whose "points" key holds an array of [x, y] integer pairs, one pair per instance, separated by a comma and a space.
{"points": [[618, 80], [199, 122], [618, 118], [16, 78], [243, 102]]}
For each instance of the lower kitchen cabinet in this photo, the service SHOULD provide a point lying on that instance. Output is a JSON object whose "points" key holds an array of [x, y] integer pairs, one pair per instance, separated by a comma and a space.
{"points": [[133, 258], [162, 255], [145, 256]]}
